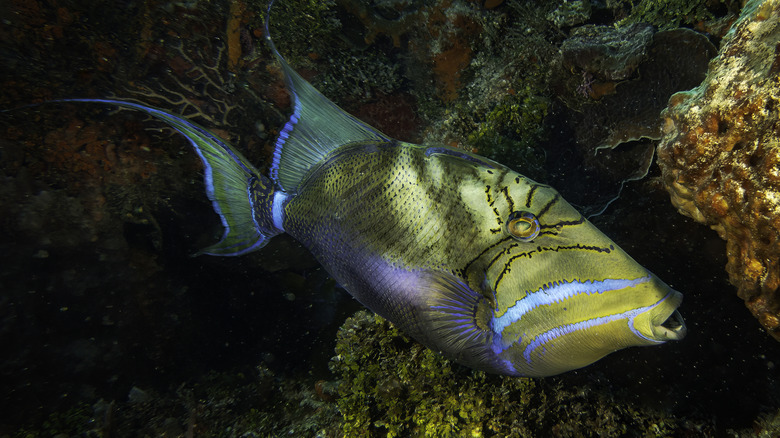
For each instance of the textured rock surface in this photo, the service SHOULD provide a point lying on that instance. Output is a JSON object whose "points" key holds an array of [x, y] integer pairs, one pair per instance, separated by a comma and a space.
{"points": [[720, 156], [615, 124], [605, 51]]}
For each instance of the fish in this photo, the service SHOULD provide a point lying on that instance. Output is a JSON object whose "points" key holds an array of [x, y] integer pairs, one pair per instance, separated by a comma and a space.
{"points": [[470, 258]]}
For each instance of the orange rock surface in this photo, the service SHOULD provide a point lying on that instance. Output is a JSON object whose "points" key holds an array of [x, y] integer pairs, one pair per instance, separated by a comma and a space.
{"points": [[720, 156]]}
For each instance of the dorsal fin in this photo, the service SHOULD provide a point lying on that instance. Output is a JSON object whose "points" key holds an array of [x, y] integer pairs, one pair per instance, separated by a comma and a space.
{"points": [[316, 127]]}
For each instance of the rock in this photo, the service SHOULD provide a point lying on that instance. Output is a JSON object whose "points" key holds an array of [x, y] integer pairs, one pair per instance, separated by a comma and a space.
{"points": [[617, 132], [606, 52], [720, 155]]}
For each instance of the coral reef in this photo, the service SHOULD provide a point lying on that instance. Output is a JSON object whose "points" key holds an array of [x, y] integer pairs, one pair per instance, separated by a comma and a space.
{"points": [[384, 20], [513, 128], [393, 114], [571, 13], [302, 29], [440, 36], [632, 81], [220, 405], [720, 156], [503, 100], [109, 328], [368, 75]]}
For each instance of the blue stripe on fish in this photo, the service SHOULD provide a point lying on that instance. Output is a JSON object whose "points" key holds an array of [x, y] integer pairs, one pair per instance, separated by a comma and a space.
{"points": [[556, 332], [283, 135], [555, 293], [277, 209]]}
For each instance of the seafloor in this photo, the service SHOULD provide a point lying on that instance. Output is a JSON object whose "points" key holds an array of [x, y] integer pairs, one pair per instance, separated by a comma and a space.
{"points": [[109, 328]]}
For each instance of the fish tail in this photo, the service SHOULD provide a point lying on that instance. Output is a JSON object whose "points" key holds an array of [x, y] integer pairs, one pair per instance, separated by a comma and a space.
{"points": [[242, 197]]}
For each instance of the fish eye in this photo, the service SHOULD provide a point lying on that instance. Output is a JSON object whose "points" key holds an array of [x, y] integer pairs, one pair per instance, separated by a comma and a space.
{"points": [[523, 225]]}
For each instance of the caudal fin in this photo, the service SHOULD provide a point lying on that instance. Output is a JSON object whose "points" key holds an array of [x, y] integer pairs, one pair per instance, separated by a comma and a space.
{"points": [[232, 184]]}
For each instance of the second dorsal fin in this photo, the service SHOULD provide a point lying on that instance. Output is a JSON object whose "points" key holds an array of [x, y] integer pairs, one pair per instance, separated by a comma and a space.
{"points": [[316, 127]]}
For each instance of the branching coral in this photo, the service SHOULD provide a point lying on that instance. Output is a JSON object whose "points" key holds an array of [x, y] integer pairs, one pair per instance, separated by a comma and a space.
{"points": [[200, 87]]}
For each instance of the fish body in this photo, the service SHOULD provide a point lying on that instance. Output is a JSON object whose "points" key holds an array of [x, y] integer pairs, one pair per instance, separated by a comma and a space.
{"points": [[465, 255], [419, 235]]}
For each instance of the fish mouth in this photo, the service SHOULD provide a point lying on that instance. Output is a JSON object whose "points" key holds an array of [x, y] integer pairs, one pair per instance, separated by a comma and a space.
{"points": [[672, 328]]}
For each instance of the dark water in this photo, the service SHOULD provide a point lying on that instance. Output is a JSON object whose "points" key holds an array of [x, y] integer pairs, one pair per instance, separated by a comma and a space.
{"points": [[102, 307]]}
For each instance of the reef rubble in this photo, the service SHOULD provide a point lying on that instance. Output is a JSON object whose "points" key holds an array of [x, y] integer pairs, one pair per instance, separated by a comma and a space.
{"points": [[720, 156]]}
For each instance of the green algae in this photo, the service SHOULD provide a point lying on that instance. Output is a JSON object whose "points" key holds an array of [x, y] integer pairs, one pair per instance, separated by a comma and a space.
{"points": [[669, 14], [69, 422], [395, 387], [392, 386], [511, 131], [301, 29]]}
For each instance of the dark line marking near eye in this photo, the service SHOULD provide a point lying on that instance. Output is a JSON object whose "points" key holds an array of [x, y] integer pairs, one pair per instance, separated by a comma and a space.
{"points": [[529, 254], [502, 252], [530, 195], [561, 224], [485, 251], [498, 216], [579, 221], [509, 200], [490, 199], [544, 209]]}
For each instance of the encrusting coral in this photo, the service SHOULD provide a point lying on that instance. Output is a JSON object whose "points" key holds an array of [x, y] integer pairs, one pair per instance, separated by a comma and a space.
{"points": [[720, 156]]}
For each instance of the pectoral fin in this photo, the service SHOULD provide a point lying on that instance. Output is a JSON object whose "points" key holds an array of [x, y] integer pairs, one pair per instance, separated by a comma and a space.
{"points": [[455, 318]]}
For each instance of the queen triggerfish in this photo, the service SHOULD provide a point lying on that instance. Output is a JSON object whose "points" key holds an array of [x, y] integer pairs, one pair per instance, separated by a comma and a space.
{"points": [[463, 254]]}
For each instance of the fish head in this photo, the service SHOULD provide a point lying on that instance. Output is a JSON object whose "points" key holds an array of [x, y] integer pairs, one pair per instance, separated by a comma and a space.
{"points": [[564, 294]]}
